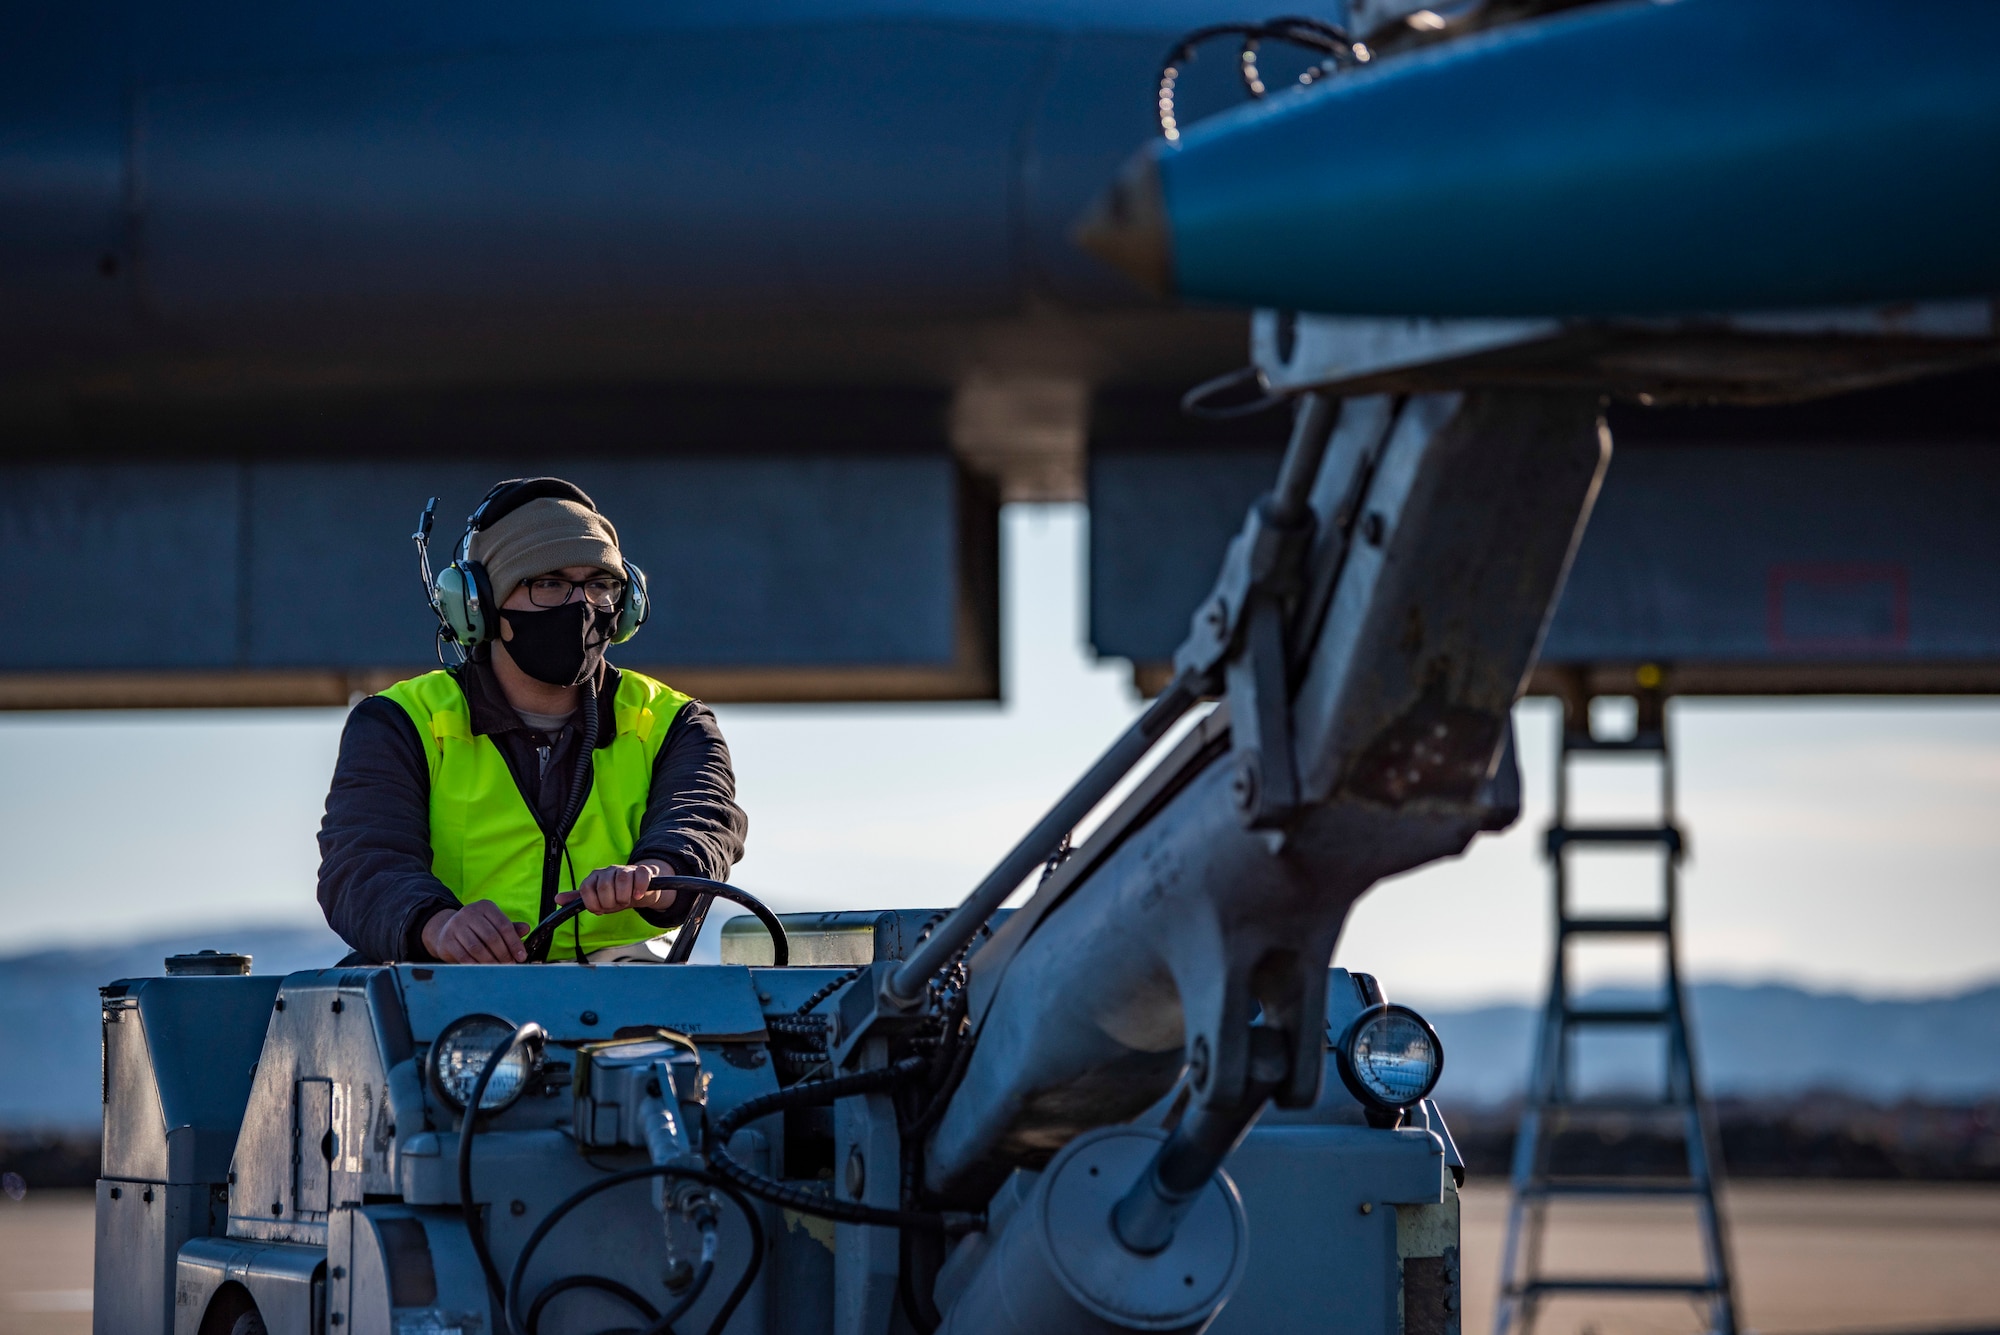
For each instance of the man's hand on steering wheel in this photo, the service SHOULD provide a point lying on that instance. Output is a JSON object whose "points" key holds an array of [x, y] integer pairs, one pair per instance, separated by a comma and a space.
{"points": [[615, 889]]}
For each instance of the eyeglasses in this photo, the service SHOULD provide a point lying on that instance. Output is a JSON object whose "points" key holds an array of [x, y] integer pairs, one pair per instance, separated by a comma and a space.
{"points": [[554, 591]]}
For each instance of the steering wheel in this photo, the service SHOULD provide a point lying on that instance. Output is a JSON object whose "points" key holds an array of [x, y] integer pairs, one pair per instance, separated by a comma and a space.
{"points": [[705, 891]]}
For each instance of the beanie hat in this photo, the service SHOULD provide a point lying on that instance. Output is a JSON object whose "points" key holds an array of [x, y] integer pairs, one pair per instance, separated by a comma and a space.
{"points": [[543, 535]]}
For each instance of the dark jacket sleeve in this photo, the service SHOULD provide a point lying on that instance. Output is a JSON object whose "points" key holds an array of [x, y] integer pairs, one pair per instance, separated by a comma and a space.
{"points": [[692, 822], [375, 882]]}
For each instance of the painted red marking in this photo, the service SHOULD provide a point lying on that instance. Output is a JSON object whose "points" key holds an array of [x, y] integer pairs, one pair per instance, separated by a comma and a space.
{"points": [[1833, 576]]}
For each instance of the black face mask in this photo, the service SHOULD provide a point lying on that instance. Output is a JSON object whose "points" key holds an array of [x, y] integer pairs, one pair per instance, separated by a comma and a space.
{"points": [[558, 645]]}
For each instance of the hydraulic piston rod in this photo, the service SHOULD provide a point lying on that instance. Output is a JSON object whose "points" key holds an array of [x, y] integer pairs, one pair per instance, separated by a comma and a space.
{"points": [[1147, 1216], [905, 987], [1285, 507]]}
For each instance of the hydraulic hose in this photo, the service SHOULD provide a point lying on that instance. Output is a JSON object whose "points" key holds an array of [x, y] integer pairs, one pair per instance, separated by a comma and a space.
{"points": [[812, 1094], [702, 1274], [576, 1198], [532, 1324], [475, 1226], [811, 1003]]}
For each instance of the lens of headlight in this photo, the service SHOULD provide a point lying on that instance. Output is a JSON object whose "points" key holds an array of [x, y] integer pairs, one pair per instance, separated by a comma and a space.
{"points": [[1392, 1057], [461, 1053]]}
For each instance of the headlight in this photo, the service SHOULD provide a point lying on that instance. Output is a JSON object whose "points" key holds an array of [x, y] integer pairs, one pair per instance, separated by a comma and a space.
{"points": [[462, 1051], [1390, 1057]]}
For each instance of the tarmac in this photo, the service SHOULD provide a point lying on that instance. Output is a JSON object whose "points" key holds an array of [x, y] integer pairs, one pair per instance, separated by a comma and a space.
{"points": [[1832, 1258], [1812, 1258]]}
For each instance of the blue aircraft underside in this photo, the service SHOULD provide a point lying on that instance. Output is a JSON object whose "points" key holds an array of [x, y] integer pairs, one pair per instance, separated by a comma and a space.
{"points": [[285, 188], [272, 273]]}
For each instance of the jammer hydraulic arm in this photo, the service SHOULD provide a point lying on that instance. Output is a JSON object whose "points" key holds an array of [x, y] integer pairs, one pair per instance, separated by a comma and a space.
{"points": [[1370, 631]]}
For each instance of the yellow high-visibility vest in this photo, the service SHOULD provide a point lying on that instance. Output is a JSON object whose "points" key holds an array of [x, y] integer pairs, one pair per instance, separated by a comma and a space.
{"points": [[486, 843]]}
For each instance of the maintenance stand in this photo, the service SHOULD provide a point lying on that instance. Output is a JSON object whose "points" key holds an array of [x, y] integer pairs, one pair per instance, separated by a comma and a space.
{"points": [[1554, 1104]]}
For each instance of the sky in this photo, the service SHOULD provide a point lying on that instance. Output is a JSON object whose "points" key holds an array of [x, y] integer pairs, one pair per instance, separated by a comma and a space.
{"points": [[1845, 845]]}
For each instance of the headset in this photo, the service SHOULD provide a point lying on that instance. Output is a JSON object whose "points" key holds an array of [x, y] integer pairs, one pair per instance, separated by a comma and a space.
{"points": [[461, 595]]}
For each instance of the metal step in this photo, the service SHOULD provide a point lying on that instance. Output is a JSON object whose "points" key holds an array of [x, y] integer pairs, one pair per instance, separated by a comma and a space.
{"points": [[1614, 926], [1607, 1016], [1611, 1285], [1560, 837], [1646, 741], [1613, 1186]]}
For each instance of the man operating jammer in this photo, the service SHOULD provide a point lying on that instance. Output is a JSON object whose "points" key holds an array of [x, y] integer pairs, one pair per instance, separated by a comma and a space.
{"points": [[468, 803]]}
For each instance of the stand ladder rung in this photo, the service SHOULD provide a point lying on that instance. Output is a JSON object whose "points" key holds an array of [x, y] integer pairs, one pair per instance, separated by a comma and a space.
{"points": [[1561, 836], [1646, 740], [1613, 1186], [1603, 1015], [1611, 1285], [1615, 926]]}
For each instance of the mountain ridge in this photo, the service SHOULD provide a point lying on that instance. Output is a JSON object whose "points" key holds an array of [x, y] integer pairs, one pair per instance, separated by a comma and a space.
{"points": [[1754, 1040]]}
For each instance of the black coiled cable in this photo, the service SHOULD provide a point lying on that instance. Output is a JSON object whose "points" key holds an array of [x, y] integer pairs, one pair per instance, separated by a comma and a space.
{"points": [[799, 1040], [586, 753], [799, 1046], [811, 1094], [811, 1003], [1312, 34], [1205, 401]]}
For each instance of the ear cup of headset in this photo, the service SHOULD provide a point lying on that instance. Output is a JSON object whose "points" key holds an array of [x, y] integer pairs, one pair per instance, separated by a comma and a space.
{"points": [[634, 607], [465, 602]]}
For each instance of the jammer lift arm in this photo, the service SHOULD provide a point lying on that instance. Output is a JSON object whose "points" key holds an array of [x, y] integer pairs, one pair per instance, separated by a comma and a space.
{"points": [[1372, 626]]}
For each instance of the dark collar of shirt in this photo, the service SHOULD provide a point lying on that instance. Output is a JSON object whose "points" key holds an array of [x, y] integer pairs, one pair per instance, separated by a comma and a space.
{"points": [[491, 713]]}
